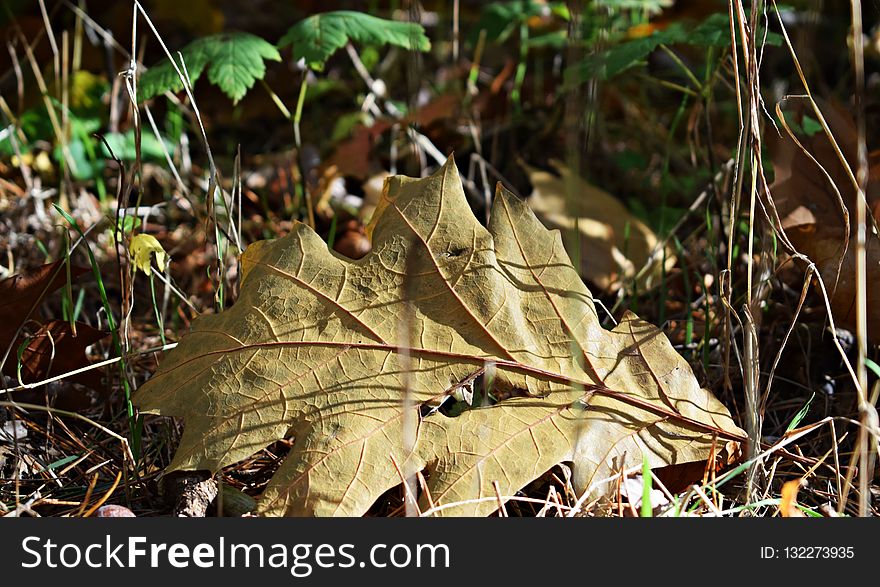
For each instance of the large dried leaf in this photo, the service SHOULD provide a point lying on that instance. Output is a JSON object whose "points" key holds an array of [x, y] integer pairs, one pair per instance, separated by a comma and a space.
{"points": [[344, 356]]}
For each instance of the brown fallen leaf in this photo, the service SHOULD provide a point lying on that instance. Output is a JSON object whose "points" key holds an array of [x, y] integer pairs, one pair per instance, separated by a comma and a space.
{"points": [[349, 358], [22, 293], [352, 157], [56, 350], [811, 214], [614, 244]]}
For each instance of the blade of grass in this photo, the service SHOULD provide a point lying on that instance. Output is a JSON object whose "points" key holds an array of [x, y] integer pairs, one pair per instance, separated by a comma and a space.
{"points": [[647, 510], [133, 422]]}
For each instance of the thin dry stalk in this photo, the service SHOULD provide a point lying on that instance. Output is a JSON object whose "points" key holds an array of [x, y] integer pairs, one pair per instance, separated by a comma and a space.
{"points": [[126, 451], [50, 33], [65, 85], [47, 102], [867, 412], [589, 491], [426, 491], [90, 367], [705, 499], [411, 508], [750, 143], [104, 497], [88, 496], [502, 510], [491, 498], [751, 373], [180, 69]]}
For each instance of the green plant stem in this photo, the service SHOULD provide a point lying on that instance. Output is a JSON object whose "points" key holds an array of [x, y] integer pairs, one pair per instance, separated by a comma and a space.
{"points": [[297, 115], [516, 94], [277, 100], [134, 428], [67, 300], [159, 320], [647, 484], [684, 68]]}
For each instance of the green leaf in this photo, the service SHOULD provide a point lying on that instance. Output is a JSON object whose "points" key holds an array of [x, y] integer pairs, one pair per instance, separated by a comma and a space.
{"points": [[714, 31], [799, 417], [811, 126], [500, 19], [554, 40], [83, 168], [872, 366], [163, 78], [345, 125], [318, 37], [806, 125], [621, 57], [123, 146], [234, 62], [238, 63], [649, 6], [126, 224], [63, 461]]}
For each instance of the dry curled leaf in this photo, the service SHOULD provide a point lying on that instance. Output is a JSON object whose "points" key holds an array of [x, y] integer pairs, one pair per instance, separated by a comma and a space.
{"points": [[21, 293], [353, 156], [55, 350], [57, 347], [614, 245], [818, 211], [349, 357]]}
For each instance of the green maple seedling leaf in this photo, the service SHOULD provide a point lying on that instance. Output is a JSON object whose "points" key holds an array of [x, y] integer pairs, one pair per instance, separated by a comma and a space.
{"points": [[162, 77], [318, 37], [350, 359], [234, 62], [500, 19]]}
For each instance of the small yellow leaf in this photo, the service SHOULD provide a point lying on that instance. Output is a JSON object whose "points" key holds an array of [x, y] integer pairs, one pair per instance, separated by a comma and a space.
{"points": [[26, 159], [140, 249], [42, 163]]}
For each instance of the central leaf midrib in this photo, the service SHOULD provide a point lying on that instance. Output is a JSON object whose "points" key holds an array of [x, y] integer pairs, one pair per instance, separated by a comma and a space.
{"points": [[587, 387]]}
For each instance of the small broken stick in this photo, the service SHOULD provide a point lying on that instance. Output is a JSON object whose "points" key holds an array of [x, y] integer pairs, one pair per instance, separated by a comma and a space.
{"points": [[191, 492]]}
